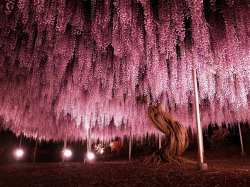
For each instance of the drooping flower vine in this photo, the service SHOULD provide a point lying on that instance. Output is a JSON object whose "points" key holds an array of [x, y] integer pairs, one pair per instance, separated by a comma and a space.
{"points": [[63, 61]]}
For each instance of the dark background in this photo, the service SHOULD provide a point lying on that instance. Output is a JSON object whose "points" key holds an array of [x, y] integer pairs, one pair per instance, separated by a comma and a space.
{"points": [[51, 151]]}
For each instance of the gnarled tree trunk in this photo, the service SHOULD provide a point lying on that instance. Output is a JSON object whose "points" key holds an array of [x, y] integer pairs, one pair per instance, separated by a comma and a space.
{"points": [[176, 140]]}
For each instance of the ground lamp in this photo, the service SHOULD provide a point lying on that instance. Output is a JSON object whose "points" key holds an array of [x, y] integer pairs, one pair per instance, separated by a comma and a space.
{"points": [[90, 156], [19, 153], [67, 153]]}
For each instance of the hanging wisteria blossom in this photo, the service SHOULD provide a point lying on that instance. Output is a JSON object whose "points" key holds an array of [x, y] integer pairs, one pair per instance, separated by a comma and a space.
{"points": [[70, 65]]}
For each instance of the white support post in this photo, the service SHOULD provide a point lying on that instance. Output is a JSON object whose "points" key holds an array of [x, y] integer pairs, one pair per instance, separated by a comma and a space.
{"points": [[20, 142], [95, 139], [121, 141], [89, 140], [34, 155], [201, 165], [64, 148], [241, 141], [130, 146]]}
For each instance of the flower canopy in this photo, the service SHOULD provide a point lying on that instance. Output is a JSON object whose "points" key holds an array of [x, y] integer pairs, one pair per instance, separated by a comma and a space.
{"points": [[66, 64]]}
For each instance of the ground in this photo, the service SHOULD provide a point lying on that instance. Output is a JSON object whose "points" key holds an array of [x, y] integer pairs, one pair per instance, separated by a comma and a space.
{"points": [[225, 169]]}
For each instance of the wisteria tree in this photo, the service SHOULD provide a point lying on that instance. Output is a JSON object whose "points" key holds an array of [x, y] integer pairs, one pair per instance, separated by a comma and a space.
{"points": [[176, 140], [63, 60]]}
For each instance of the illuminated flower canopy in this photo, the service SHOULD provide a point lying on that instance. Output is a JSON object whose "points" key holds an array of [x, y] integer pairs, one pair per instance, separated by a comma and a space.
{"points": [[63, 60]]}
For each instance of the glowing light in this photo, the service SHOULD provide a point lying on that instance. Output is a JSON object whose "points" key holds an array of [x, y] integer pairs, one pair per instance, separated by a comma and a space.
{"points": [[67, 153], [90, 156], [101, 151], [19, 153]]}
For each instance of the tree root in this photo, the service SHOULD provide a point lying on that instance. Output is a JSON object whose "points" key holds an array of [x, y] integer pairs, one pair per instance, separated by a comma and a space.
{"points": [[183, 160], [157, 159]]}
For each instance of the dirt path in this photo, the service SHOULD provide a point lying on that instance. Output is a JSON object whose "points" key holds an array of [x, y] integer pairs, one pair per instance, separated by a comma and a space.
{"points": [[222, 172]]}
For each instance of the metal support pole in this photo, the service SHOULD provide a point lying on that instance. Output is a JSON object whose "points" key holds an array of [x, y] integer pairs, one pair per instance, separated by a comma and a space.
{"points": [[95, 140], [121, 141], [87, 142], [64, 148], [34, 155], [201, 165], [241, 142], [20, 142], [89, 136], [130, 146], [142, 138]]}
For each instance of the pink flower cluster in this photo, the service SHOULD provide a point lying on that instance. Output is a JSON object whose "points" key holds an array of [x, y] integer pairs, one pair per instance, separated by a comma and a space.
{"points": [[62, 62]]}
